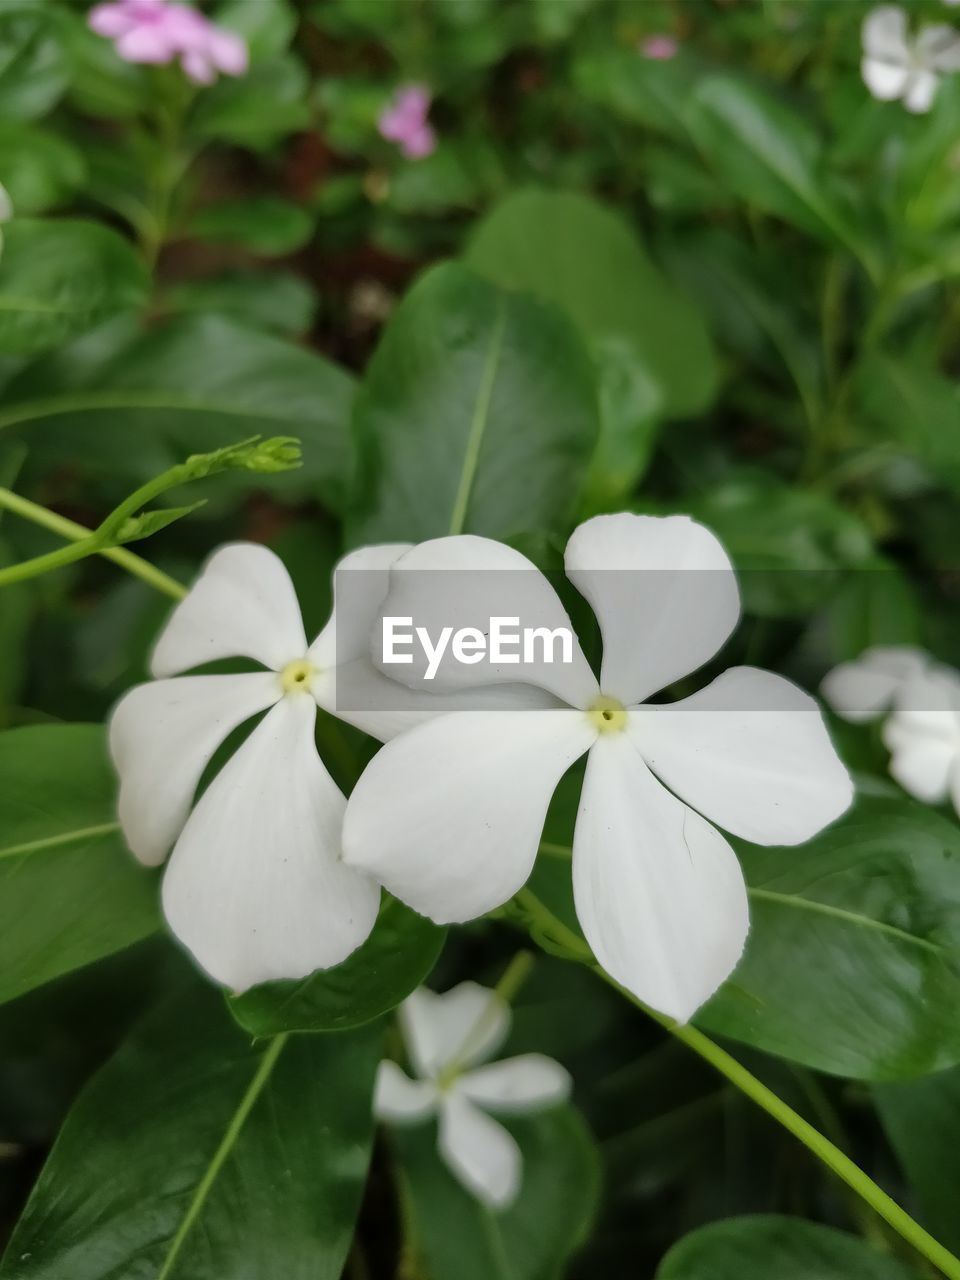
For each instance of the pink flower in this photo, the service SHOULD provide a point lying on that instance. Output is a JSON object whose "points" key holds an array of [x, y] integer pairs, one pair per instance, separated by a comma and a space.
{"points": [[660, 48], [405, 122], [154, 31]]}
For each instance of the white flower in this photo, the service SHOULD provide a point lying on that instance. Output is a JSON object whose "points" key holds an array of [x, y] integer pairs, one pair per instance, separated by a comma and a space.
{"points": [[255, 887], [895, 65], [864, 688], [446, 1037], [923, 732], [448, 816]]}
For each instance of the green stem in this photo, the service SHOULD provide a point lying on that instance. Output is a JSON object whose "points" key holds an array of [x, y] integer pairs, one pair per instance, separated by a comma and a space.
{"points": [[748, 1084], [78, 535]]}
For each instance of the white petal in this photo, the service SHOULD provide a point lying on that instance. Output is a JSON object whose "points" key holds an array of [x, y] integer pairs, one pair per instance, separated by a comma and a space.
{"points": [[466, 581], [751, 753], [938, 48], [921, 92], [448, 817], [480, 1152], [664, 593], [923, 735], [868, 686], [162, 736], [885, 34], [254, 887], [659, 892], [885, 80], [465, 1025], [397, 1097], [517, 1084], [242, 605], [361, 580]]}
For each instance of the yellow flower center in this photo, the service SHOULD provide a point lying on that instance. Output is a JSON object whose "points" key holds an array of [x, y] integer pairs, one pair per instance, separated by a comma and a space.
{"points": [[608, 715], [296, 675]]}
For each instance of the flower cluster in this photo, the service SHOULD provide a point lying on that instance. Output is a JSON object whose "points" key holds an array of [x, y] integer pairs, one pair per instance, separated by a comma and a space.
{"points": [[156, 31], [273, 874], [447, 1038], [922, 729]]}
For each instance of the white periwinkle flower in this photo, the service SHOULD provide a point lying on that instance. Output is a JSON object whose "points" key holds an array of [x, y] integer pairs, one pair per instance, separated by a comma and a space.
{"points": [[896, 65], [868, 686], [448, 816], [922, 733], [255, 887], [447, 1037]]}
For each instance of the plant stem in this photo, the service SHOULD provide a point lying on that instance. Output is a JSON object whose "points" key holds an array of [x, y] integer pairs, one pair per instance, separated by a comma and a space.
{"points": [[78, 535], [738, 1075]]}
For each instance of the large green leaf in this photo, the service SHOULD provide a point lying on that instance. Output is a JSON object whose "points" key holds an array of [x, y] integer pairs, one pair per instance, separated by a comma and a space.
{"points": [[477, 415], [775, 1248], [196, 1155], [193, 384], [853, 961], [922, 1120], [58, 278], [570, 250], [397, 957], [69, 891], [460, 1239]]}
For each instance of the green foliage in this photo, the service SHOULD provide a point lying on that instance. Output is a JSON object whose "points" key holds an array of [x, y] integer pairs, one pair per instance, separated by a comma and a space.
{"points": [[246, 1115], [69, 892], [724, 283]]}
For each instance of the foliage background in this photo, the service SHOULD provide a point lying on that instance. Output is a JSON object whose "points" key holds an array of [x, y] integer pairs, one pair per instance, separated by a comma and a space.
{"points": [[723, 283]]}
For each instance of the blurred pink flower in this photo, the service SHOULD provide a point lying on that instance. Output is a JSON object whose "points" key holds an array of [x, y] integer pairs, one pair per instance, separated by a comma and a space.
{"points": [[405, 122], [660, 48], [155, 31]]}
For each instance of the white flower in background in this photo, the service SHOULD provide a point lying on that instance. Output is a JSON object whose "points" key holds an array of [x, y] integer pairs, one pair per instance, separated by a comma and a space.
{"points": [[923, 732], [447, 1037], [868, 686], [896, 65], [448, 816], [255, 887]]}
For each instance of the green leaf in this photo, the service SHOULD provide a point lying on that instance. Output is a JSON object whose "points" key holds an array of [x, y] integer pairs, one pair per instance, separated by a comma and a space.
{"points": [[852, 965], [275, 301], [768, 1247], [922, 1121], [641, 90], [194, 383], [69, 890], [237, 1159], [770, 156], [477, 415], [792, 547], [258, 109], [16, 612], [877, 605], [263, 224], [460, 1239], [267, 26], [35, 58], [39, 168], [396, 958], [59, 278], [915, 406], [568, 249]]}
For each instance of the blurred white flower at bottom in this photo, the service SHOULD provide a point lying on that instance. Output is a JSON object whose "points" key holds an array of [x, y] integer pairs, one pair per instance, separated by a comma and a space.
{"points": [[447, 1037], [896, 65]]}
